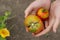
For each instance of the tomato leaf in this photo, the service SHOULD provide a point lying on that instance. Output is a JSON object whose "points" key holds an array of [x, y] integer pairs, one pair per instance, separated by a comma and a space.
{"points": [[7, 14], [1, 19], [2, 25]]}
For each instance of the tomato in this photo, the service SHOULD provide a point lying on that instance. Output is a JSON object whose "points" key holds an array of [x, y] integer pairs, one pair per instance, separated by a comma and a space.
{"points": [[43, 13], [34, 23]]}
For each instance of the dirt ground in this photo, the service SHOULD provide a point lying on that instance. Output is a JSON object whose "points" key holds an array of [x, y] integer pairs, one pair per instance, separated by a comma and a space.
{"points": [[16, 24]]}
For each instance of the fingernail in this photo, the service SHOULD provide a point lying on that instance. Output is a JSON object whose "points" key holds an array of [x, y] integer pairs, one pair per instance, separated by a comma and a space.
{"points": [[54, 31], [25, 16], [27, 31]]}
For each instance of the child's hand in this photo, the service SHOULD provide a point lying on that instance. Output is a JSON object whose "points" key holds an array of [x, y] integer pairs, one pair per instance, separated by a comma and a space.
{"points": [[54, 18], [34, 6], [55, 10]]}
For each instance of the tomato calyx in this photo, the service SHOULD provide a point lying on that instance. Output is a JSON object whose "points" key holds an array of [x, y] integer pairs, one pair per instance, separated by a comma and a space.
{"points": [[44, 11], [32, 24]]}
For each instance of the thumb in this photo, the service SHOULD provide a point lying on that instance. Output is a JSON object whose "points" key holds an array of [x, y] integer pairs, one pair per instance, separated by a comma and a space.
{"points": [[28, 10], [27, 29]]}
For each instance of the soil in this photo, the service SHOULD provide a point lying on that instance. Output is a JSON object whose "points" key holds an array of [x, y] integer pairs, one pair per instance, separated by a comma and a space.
{"points": [[16, 24]]}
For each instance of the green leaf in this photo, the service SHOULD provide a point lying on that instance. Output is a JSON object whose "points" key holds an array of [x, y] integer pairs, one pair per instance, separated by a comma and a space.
{"points": [[1, 19], [2, 38], [7, 13], [2, 25]]}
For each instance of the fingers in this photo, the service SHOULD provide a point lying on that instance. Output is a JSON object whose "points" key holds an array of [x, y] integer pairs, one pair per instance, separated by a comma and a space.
{"points": [[55, 26], [28, 10], [46, 30], [57, 15], [27, 29], [43, 32], [46, 23]]}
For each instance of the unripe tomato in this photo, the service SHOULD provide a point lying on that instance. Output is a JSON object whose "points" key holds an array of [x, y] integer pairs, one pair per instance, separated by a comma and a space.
{"points": [[34, 23]]}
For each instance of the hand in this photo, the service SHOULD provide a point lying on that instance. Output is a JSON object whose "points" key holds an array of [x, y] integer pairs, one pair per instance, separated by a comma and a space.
{"points": [[55, 10], [53, 18], [34, 6]]}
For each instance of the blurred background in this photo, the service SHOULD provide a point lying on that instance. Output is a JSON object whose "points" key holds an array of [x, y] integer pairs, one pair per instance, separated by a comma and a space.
{"points": [[16, 24]]}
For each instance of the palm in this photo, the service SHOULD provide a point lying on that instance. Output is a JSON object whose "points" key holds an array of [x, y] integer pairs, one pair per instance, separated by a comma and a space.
{"points": [[54, 18]]}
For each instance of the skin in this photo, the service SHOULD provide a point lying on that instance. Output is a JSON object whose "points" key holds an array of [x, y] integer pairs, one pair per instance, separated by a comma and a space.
{"points": [[55, 7], [54, 17]]}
